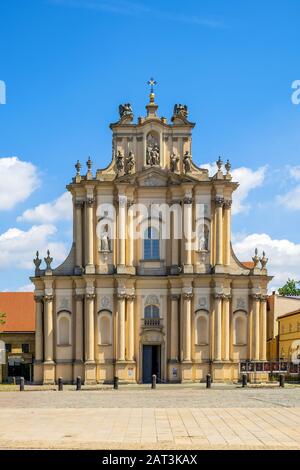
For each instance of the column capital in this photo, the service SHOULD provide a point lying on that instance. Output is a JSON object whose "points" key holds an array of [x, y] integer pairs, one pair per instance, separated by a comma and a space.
{"points": [[256, 296], [219, 295], [130, 203], [175, 296], [130, 297], [219, 201], [90, 201], [227, 203], [187, 200], [122, 200], [263, 298], [38, 298], [79, 203], [121, 295], [79, 297], [90, 296], [187, 295], [48, 298]]}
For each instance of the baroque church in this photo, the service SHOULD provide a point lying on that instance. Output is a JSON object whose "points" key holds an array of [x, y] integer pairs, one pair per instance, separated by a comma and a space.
{"points": [[145, 291]]}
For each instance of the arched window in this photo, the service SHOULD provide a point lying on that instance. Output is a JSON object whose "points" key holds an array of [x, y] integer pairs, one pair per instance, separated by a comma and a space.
{"points": [[105, 328], [151, 244], [64, 329], [202, 328], [151, 311], [240, 330]]}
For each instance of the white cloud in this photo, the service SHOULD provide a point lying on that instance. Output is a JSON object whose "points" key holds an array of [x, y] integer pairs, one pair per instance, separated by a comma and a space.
{"points": [[18, 247], [26, 288], [248, 180], [291, 200], [294, 172], [18, 180], [59, 209], [284, 255]]}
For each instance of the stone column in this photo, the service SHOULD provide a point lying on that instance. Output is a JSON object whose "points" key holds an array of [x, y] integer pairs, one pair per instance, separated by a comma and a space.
{"points": [[121, 326], [90, 329], [78, 235], [79, 329], [130, 313], [48, 328], [90, 268], [187, 230], [174, 240], [218, 327], [219, 201], [263, 328], [174, 326], [122, 230], [187, 298], [226, 336], [227, 219], [130, 235], [256, 325], [38, 328]]}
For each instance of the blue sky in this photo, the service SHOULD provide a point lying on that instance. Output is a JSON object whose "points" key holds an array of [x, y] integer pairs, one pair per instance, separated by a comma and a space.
{"points": [[68, 64]]}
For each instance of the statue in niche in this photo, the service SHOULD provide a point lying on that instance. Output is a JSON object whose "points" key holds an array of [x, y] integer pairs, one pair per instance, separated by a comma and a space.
{"points": [[203, 235], [105, 241], [152, 156], [173, 162], [181, 111], [125, 111], [119, 162], [187, 161], [130, 162]]}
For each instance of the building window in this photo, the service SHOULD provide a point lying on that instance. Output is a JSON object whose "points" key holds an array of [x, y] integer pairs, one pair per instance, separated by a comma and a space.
{"points": [[8, 347], [64, 329], [151, 244], [201, 333], [25, 348], [240, 330], [151, 311], [105, 328]]}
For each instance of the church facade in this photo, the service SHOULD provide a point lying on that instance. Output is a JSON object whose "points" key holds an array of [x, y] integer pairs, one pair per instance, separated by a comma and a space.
{"points": [[151, 284]]}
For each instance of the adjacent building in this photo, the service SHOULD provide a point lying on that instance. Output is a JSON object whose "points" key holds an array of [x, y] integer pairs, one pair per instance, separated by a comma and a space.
{"points": [[17, 335], [151, 284]]}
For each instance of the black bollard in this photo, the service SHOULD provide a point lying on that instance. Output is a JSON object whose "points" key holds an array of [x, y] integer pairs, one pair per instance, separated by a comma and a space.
{"points": [[60, 384], [244, 380], [281, 380], [78, 383], [153, 385], [208, 381], [116, 383], [21, 384]]}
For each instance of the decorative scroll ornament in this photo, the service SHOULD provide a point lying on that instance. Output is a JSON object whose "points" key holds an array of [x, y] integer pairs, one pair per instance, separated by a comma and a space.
{"points": [[187, 162], [48, 260]]}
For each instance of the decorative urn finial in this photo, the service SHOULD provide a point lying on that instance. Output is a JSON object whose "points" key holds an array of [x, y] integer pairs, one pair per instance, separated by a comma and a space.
{"points": [[263, 260], [37, 262], [255, 258], [48, 261], [89, 164], [219, 164], [78, 168], [228, 167]]}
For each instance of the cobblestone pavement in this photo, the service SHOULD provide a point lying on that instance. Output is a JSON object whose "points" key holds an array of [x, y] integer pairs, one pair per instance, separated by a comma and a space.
{"points": [[181, 418]]}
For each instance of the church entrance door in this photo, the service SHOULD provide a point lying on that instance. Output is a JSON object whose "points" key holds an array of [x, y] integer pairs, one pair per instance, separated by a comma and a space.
{"points": [[151, 362]]}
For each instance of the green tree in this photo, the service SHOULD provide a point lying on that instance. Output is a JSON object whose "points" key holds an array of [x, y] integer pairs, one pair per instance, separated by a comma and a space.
{"points": [[290, 288]]}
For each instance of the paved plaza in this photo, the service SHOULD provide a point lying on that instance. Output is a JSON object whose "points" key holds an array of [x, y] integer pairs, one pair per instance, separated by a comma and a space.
{"points": [[174, 417]]}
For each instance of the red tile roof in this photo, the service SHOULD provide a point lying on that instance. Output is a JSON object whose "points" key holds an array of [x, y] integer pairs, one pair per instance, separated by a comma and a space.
{"points": [[20, 311], [248, 264]]}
